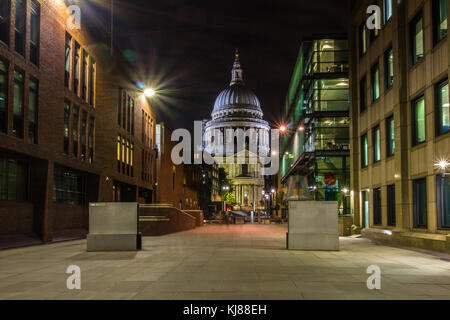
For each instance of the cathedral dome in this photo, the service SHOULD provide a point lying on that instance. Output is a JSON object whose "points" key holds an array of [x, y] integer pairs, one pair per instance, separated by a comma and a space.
{"points": [[237, 96], [237, 101]]}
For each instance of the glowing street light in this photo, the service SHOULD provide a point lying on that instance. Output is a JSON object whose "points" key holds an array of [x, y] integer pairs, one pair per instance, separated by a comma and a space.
{"points": [[345, 191], [443, 165], [301, 129], [283, 128], [149, 92]]}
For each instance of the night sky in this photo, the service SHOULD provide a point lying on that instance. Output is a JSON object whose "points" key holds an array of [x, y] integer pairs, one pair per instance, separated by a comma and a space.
{"points": [[185, 48]]}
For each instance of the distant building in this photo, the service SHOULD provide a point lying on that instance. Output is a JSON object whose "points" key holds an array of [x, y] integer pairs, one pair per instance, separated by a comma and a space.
{"points": [[237, 107], [400, 123], [315, 155]]}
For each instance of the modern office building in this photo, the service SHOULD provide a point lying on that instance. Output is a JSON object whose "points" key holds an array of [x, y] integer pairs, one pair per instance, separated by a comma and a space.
{"points": [[400, 124], [315, 162], [74, 127]]}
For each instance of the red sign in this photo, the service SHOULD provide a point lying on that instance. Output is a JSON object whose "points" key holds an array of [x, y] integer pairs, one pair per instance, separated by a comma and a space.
{"points": [[330, 178]]}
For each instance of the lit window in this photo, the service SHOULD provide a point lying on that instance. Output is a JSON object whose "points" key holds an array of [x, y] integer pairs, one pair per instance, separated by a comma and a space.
{"points": [[364, 151], [376, 144], [387, 9], [362, 39], [390, 137], [440, 20], [443, 109], [419, 128], [389, 67], [375, 82], [417, 41]]}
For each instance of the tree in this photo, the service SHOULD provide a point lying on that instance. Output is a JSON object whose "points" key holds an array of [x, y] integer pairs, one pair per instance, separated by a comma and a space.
{"points": [[228, 198]]}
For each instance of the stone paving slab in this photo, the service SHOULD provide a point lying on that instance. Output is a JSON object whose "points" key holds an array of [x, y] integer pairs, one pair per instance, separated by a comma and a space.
{"points": [[244, 262]]}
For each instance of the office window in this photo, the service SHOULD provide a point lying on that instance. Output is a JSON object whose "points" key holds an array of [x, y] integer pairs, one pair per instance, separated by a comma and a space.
{"points": [[377, 217], [364, 151], [21, 18], [91, 139], [365, 209], [119, 108], [69, 187], [375, 85], [442, 108], [391, 211], [35, 22], [68, 58], [129, 114], [66, 126], [132, 158], [439, 20], [18, 103], [419, 127], [362, 39], [14, 180], [124, 110], [3, 96], [76, 113], [420, 203], [123, 154], [119, 153], [417, 41], [76, 69], [376, 144], [92, 75], [387, 10], [143, 127], [84, 76], [33, 111], [84, 119], [363, 94], [132, 116], [443, 201], [390, 136], [5, 14], [389, 68]]}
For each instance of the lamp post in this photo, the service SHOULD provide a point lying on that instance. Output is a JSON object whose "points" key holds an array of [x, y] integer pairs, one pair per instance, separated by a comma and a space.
{"points": [[443, 165]]}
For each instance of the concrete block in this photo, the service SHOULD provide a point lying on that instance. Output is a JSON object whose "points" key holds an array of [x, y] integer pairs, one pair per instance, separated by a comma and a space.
{"points": [[313, 225], [113, 227], [113, 242]]}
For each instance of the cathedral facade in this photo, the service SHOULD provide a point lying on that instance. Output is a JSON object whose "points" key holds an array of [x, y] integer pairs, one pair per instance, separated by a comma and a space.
{"points": [[237, 121]]}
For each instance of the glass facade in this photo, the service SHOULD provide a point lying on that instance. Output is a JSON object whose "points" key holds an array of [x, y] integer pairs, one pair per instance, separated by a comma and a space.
{"points": [[69, 187], [389, 67], [440, 19], [318, 116], [364, 151], [376, 144], [14, 180]]}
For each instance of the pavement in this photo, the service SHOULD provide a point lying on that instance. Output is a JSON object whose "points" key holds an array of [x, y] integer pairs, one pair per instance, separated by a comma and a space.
{"points": [[236, 262]]}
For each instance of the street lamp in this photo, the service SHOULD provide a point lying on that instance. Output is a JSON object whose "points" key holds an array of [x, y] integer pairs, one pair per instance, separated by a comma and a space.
{"points": [[149, 92], [283, 128], [443, 165]]}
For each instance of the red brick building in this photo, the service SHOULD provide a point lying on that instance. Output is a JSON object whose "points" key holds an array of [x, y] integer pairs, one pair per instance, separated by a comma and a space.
{"points": [[74, 127]]}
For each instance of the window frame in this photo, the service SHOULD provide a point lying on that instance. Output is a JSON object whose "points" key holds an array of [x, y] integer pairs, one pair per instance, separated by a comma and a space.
{"points": [[362, 36], [363, 94], [391, 206], [414, 124], [376, 143], [364, 151], [440, 202], [388, 83], [377, 207], [414, 59], [390, 122], [416, 210], [436, 23], [439, 106], [373, 71]]}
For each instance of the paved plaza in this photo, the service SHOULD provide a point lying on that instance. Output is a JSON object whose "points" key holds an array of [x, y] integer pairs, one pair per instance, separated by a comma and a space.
{"points": [[223, 262]]}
